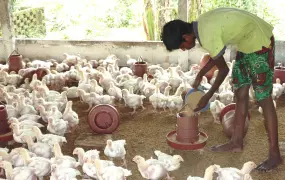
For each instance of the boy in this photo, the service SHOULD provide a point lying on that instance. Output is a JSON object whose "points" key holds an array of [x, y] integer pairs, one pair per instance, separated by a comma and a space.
{"points": [[254, 66]]}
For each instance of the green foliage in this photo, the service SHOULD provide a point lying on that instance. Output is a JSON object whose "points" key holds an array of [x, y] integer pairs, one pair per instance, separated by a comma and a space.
{"points": [[120, 15], [93, 18], [257, 7], [150, 23]]}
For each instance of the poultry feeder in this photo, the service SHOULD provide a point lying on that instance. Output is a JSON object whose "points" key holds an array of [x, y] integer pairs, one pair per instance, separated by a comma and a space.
{"points": [[187, 135], [5, 132], [227, 118], [140, 67], [103, 119], [279, 72], [15, 62]]}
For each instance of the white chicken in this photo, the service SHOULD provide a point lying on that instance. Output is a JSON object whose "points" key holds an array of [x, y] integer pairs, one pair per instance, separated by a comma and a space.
{"points": [[116, 149], [111, 172], [70, 116], [18, 173], [171, 163], [158, 100], [133, 100], [86, 156], [115, 91], [57, 126], [175, 101], [216, 107], [49, 139], [234, 173], [40, 149], [208, 175], [151, 169]]}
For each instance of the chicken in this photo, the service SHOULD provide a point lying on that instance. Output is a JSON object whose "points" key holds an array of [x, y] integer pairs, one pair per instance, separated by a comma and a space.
{"points": [[151, 169], [216, 107], [115, 91], [175, 101], [158, 100], [111, 172], [116, 149], [171, 163], [133, 100]]}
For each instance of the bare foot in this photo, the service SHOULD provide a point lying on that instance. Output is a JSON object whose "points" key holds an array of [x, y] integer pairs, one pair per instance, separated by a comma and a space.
{"points": [[228, 147], [269, 164]]}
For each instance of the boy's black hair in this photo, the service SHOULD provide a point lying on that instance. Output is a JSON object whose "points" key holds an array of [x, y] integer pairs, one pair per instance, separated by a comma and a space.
{"points": [[172, 33]]}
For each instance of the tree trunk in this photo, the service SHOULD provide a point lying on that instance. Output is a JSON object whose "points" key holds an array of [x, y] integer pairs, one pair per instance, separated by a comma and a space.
{"points": [[148, 20], [160, 16]]}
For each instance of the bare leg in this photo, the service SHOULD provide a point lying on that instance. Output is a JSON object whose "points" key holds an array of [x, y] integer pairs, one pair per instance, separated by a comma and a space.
{"points": [[236, 142], [271, 126]]}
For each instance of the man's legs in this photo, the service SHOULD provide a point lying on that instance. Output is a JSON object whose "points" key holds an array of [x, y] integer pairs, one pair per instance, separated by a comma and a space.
{"points": [[271, 126], [236, 142]]}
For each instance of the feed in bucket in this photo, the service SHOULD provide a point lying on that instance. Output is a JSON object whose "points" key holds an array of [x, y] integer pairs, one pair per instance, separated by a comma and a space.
{"points": [[192, 98]]}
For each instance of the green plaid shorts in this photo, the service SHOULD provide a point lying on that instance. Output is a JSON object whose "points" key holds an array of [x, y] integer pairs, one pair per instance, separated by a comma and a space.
{"points": [[256, 69]]}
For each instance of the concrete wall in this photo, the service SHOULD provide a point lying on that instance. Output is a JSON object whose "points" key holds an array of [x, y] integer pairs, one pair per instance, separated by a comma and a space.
{"points": [[152, 52], [280, 52], [1, 49]]}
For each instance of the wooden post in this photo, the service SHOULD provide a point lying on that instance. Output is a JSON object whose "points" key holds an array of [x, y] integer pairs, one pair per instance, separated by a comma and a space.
{"points": [[183, 10], [6, 24]]}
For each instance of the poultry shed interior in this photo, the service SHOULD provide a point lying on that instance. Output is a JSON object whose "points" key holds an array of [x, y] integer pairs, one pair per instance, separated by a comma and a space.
{"points": [[48, 117]]}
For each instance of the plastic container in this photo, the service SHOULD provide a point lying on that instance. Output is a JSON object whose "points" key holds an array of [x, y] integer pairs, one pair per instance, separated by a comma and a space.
{"points": [[279, 72], [193, 90], [227, 118], [103, 119], [4, 126], [140, 68], [187, 128], [15, 62]]}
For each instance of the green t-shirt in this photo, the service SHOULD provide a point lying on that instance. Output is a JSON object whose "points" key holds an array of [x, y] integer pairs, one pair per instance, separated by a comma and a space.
{"points": [[230, 26]]}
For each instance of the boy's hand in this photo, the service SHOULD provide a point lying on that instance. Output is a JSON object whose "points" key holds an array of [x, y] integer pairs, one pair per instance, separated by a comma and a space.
{"points": [[203, 102], [197, 81]]}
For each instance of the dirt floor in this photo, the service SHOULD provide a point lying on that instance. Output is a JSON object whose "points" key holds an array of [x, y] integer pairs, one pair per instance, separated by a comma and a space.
{"points": [[146, 131]]}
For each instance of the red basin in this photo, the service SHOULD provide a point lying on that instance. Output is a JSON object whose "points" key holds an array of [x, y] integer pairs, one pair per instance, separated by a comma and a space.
{"points": [[279, 72]]}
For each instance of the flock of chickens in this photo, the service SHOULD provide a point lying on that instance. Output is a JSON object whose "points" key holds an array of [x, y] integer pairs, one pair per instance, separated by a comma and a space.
{"points": [[33, 105]]}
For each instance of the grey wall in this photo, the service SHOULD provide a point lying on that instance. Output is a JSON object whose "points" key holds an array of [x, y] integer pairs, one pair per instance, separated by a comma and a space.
{"points": [[280, 51], [153, 52], [1, 49]]}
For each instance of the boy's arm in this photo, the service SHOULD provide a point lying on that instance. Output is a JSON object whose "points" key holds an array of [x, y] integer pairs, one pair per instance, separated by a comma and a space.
{"points": [[210, 64], [223, 72]]}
